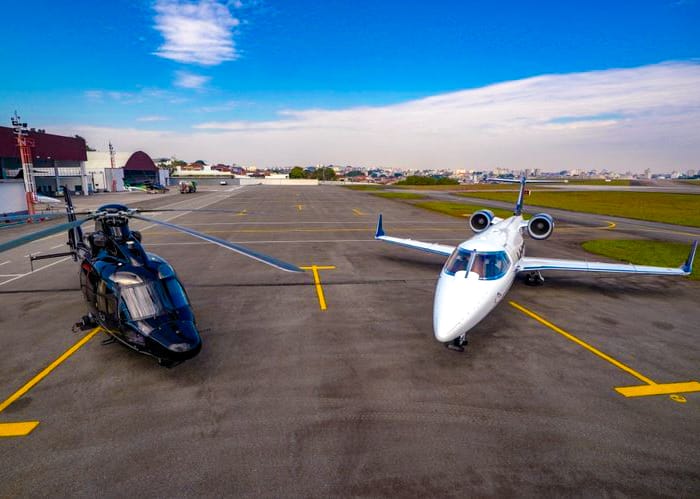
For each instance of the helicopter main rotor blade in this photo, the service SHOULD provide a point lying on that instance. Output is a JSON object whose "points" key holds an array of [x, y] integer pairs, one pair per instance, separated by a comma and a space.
{"points": [[279, 264], [42, 233]]}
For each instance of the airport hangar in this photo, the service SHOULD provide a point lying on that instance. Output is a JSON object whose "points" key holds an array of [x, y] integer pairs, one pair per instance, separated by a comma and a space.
{"points": [[61, 161]]}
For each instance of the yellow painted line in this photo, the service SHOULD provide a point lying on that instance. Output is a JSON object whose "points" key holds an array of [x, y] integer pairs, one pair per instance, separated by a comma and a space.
{"points": [[660, 389], [357, 212], [17, 429], [36, 379], [317, 282], [300, 206], [239, 214], [651, 387]]}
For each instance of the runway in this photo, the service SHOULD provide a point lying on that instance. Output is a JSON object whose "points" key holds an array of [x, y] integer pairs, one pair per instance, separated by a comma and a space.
{"points": [[330, 383]]}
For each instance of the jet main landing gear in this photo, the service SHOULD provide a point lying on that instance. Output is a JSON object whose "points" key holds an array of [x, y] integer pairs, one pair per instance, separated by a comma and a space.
{"points": [[534, 279]]}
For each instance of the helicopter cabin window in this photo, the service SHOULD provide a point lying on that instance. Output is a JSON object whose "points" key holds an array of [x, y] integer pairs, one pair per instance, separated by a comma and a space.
{"points": [[459, 260], [491, 265], [145, 300]]}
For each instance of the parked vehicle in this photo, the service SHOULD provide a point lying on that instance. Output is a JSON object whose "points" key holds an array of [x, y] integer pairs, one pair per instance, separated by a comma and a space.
{"points": [[187, 187]]}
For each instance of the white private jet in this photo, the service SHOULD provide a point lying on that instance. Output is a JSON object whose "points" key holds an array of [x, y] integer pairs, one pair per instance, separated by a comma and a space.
{"points": [[481, 270]]}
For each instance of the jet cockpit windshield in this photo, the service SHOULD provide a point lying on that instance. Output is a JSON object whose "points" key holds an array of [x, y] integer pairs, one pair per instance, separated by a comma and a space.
{"points": [[488, 265]]}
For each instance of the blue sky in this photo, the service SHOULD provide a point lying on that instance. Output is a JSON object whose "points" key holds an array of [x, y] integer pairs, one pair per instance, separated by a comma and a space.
{"points": [[205, 68]]}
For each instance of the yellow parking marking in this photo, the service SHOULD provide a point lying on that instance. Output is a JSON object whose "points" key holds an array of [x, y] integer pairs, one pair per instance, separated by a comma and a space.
{"points": [[17, 429], [317, 282], [661, 389], [13, 429], [357, 212], [242, 213], [651, 387], [300, 206]]}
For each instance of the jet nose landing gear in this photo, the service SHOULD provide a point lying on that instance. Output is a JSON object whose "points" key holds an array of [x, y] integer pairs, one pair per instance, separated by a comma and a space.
{"points": [[458, 343]]}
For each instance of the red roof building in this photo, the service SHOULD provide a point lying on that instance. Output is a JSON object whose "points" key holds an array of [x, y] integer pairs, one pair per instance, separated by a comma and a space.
{"points": [[47, 146]]}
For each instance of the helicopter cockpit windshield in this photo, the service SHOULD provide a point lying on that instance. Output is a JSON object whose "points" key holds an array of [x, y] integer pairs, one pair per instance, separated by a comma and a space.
{"points": [[488, 265], [145, 300]]}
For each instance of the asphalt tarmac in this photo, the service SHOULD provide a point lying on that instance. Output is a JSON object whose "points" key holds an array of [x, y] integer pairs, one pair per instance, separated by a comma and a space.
{"points": [[289, 400]]}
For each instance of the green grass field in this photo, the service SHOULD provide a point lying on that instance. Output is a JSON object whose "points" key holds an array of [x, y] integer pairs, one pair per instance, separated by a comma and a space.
{"points": [[461, 187], [398, 195], [363, 187], [458, 209], [681, 209], [598, 181], [643, 252]]}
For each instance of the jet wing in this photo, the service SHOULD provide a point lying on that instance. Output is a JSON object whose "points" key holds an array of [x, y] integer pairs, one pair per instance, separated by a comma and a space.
{"points": [[435, 248], [527, 264]]}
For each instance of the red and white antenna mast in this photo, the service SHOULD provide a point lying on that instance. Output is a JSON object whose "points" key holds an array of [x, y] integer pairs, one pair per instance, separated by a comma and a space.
{"points": [[111, 155], [25, 144]]}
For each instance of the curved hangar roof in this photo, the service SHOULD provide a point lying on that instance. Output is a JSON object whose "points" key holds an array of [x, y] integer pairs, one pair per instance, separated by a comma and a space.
{"points": [[140, 161]]}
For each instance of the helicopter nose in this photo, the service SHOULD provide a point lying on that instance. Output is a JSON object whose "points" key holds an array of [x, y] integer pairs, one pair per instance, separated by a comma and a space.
{"points": [[184, 338]]}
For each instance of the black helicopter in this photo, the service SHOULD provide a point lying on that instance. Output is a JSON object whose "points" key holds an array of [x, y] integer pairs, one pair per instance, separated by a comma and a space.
{"points": [[133, 295]]}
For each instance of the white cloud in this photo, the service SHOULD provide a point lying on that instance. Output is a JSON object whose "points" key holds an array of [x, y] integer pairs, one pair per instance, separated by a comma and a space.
{"points": [[623, 119], [200, 32], [185, 79], [217, 108], [139, 97], [147, 119]]}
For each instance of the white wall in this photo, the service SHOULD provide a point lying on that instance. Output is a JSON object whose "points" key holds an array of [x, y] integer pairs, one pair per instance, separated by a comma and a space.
{"points": [[114, 179], [12, 197], [273, 181]]}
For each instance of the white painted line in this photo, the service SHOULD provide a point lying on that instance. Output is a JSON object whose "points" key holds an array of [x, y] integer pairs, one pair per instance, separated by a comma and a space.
{"points": [[5, 263], [57, 246], [10, 275], [35, 270], [297, 241]]}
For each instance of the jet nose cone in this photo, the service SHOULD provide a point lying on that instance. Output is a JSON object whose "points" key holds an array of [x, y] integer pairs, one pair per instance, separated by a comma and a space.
{"points": [[446, 330], [456, 308]]}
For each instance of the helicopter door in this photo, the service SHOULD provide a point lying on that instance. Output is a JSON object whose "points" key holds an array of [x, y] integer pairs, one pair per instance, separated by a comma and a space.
{"points": [[107, 303], [88, 283]]}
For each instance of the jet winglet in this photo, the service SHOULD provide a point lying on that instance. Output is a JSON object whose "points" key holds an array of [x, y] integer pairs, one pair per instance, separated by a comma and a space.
{"points": [[688, 266], [380, 229]]}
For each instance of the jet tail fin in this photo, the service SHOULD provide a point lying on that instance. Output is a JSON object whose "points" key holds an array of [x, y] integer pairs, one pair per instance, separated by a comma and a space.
{"points": [[522, 181]]}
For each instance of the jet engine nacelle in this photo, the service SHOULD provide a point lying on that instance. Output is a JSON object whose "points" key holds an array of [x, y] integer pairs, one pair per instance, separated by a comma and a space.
{"points": [[480, 220], [540, 226]]}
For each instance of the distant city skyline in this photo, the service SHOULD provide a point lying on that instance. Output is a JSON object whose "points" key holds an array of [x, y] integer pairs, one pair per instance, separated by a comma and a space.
{"points": [[451, 85]]}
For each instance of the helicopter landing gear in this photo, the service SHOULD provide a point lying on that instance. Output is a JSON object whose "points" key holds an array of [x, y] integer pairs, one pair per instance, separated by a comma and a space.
{"points": [[167, 363], [86, 323], [534, 279], [458, 343]]}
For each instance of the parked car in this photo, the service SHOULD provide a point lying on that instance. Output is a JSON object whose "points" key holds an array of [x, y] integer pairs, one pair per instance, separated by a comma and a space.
{"points": [[223, 182]]}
